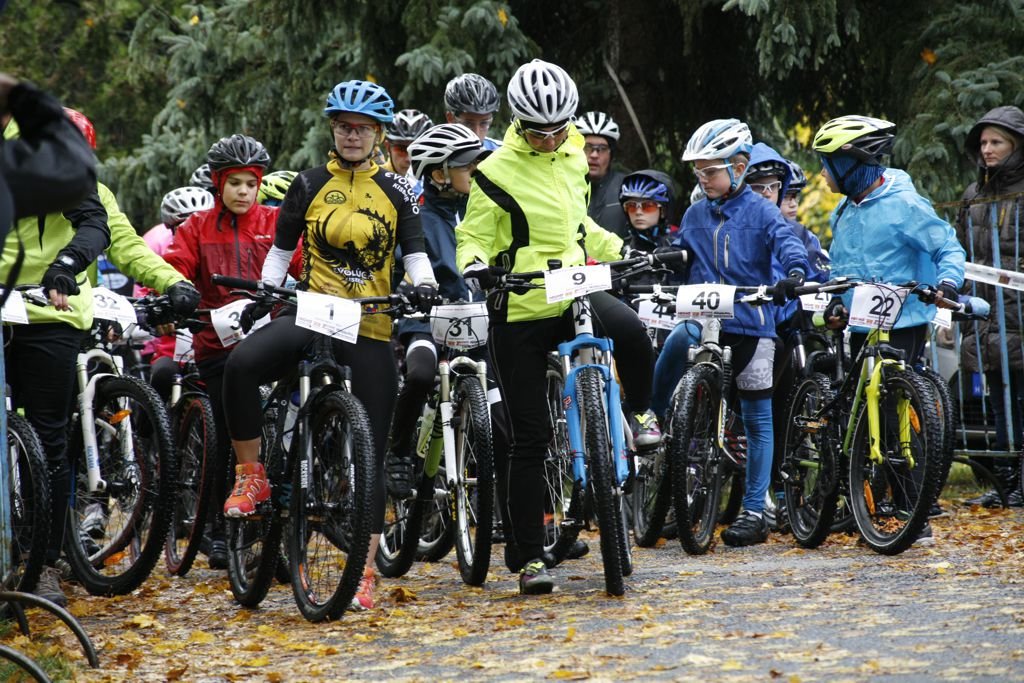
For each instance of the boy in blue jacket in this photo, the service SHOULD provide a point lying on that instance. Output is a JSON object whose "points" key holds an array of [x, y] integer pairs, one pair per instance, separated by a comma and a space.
{"points": [[732, 237]]}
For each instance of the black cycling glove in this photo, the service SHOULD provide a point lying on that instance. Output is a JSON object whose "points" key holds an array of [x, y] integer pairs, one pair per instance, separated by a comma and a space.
{"points": [[61, 276], [184, 297]]}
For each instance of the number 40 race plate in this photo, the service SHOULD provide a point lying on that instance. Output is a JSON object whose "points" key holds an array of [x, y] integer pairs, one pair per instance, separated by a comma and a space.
{"points": [[706, 301]]}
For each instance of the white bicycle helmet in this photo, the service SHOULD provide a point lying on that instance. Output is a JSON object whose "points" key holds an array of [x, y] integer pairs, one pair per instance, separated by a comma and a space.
{"points": [[447, 145], [719, 139], [179, 204], [542, 93], [598, 123]]}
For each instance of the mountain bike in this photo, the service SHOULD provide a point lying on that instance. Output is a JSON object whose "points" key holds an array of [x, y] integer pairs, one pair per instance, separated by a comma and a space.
{"points": [[124, 465], [453, 439], [595, 425], [319, 458], [881, 429]]}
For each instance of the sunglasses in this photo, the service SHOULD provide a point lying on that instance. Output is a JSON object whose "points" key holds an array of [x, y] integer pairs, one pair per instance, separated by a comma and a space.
{"points": [[709, 172], [766, 188], [545, 134], [645, 206]]}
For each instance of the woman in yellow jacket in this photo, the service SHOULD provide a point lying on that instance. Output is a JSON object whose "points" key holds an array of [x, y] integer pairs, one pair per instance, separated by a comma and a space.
{"points": [[527, 205]]}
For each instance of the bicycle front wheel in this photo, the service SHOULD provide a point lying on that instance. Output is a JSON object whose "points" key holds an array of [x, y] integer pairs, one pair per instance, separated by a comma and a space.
{"points": [[809, 468], [474, 481], [115, 535], [602, 478], [331, 507], [891, 495], [192, 418], [696, 464], [29, 487], [563, 498], [651, 497]]}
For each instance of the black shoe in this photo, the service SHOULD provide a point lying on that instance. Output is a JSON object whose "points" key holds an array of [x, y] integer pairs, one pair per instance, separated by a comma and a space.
{"points": [[48, 587], [399, 474], [578, 550], [534, 579], [925, 538], [1015, 499], [748, 529], [218, 557], [989, 499], [936, 511]]}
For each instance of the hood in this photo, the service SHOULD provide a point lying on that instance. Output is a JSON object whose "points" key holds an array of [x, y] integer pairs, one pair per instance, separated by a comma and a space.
{"points": [[1011, 170], [762, 153]]}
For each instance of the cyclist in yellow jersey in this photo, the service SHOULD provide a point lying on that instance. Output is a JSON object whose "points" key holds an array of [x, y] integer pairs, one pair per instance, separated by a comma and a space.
{"points": [[350, 214]]}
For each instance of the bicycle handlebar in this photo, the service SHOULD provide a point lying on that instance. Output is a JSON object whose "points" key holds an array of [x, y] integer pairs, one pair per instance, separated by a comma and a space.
{"points": [[253, 287], [523, 280]]}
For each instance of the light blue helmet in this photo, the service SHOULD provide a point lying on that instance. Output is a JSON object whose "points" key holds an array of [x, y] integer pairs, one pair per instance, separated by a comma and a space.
{"points": [[361, 97], [647, 184]]}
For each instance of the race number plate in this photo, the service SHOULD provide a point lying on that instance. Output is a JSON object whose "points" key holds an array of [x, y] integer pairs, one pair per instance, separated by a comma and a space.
{"points": [[183, 351], [656, 316], [14, 309], [108, 305], [815, 303], [877, 306], [706, 301], [460, 326], [331, 315], [569, 283], [226, 325]]}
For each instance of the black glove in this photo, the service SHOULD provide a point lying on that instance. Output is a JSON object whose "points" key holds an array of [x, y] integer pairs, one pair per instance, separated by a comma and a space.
{"points": [[835, 309], [61, 276], [785, 289], [184, 297], [425, 296], [631, 253], [674, 258], [949, 292], [253, 312], [480, 276]]}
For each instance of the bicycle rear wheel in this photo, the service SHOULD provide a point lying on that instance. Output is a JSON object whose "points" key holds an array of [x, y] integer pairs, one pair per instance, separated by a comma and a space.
{"points": [[809, 468], [946, 411], [116, 535], [30, 504], [254, 542], [563, 498], [891, 497], [474, 481], [696, 463], [192, 418], [602, 478], [331, 507]]}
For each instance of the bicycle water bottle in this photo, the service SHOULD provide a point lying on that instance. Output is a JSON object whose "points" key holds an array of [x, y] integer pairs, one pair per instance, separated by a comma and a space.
{"points": [[426, 430], [289, 421]]}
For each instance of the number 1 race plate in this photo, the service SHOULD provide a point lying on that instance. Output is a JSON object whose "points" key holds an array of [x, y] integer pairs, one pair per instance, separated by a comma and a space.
{"points": [[877, 305], [459, 326], [569, 283], [706, 301], [330, 315]]}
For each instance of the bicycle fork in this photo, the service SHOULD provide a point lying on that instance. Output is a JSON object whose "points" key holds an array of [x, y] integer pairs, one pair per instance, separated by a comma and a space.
{"points": [[89, 422]]}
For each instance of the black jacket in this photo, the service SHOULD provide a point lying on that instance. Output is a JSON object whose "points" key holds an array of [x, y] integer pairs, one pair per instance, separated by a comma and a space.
{"points": [[975, 226], [50, 167]]}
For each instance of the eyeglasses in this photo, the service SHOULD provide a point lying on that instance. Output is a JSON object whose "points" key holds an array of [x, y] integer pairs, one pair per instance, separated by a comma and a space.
{"points": [[600, 149], [766, 188], [709, 172], [344, 129], [479, 124], [637, 206], [542, 135]]}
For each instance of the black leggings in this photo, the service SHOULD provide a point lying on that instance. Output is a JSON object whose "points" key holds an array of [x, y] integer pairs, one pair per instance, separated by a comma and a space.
{"points": [[520, 351], [40, 364], [273, 351]]}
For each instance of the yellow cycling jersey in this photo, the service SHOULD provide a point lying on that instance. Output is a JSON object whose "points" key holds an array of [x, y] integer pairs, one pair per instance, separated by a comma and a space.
{"points": [[350, 223]]}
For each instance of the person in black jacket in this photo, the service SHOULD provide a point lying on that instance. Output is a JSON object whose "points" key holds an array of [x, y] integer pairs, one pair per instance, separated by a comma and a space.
{"points": [[50, 167]]}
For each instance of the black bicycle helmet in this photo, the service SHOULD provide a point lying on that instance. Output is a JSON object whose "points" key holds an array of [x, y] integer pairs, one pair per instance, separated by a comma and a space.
{"points": [[471, 93], [237, 150]]}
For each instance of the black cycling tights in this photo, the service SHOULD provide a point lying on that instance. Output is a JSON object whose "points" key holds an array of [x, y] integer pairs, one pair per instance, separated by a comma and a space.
{"points": [[273, 351]]}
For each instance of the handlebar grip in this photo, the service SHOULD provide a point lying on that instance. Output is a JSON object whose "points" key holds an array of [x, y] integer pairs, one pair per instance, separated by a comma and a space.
{"points": [[677, 257], [235, 282]]}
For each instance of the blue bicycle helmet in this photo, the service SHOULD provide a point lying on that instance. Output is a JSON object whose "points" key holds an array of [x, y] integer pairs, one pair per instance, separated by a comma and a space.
{"points": [[647, 184], [361, 97], [797, 177]]}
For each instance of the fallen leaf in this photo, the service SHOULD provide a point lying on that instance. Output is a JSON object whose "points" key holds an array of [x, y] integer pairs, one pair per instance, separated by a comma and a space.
{"points": [[176, 674]]}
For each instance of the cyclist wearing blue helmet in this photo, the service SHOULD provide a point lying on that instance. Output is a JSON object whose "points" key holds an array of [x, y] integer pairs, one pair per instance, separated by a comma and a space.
{"points": [[351, 215]]}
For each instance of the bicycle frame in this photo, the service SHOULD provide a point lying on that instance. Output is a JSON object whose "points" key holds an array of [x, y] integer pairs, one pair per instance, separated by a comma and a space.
{"points": [[592, 352], [711, 352], [868, 391], [86, 393], [426, 447]]}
